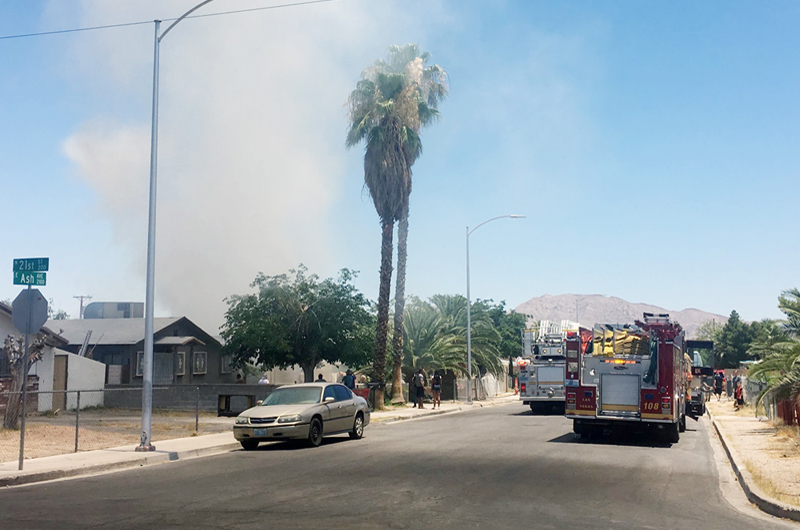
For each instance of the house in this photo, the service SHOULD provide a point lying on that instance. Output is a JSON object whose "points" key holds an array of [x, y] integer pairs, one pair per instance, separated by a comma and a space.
{"points": [[183, 353], [54, 378]]}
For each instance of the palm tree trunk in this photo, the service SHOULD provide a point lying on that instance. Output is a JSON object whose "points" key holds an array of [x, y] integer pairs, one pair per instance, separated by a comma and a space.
{"points": [[382, 328], [399, 306]]}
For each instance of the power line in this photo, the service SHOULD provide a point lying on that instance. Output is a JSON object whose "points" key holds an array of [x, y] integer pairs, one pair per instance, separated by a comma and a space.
{"points": [[4, 37]]}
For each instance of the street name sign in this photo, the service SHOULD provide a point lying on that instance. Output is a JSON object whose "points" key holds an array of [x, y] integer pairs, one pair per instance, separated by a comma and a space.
{"points": [[30, 278], [32, 265], [29, 311]]}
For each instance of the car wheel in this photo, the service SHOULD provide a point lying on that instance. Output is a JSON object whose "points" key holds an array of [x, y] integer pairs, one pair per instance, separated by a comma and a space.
{"points": [[358, 427], [249, 445], [315, 433]]}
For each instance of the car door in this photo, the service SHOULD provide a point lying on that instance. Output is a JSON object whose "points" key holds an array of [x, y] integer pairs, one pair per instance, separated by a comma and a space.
{"points": [[347, 407], [330, 412]]}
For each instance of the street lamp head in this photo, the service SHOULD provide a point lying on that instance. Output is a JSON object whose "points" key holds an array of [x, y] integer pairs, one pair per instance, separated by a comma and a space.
{"points": [[515, 216]]}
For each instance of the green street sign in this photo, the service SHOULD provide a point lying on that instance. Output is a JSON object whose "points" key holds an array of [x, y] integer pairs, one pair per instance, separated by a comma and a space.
{"points": [[31, 265], [30, 278]]}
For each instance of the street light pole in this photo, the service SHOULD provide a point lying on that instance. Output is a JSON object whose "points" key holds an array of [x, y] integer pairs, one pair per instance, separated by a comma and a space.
{"points": [[469, 304], [147, 368]]}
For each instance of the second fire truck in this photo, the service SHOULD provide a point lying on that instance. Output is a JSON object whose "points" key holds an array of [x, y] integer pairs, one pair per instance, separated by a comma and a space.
{"points": [[541, 367], [633, 375]]}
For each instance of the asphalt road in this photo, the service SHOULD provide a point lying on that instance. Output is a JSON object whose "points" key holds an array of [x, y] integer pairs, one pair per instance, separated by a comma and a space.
{"points": [[498, 467]]}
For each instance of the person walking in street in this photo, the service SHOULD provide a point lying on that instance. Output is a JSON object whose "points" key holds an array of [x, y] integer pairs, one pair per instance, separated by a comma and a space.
{"points": [[436, 389], [419, 388]]}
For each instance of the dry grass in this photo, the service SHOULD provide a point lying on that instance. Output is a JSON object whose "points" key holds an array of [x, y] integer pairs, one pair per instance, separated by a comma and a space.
{"points": [[768, 485], [54, 435]]}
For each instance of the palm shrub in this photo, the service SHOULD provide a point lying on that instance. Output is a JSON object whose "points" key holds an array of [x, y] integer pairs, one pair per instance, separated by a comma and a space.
{"points": [[779, 366], [436, 337]]}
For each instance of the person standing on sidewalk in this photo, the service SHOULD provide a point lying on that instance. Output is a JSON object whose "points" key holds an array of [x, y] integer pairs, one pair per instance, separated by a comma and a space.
{"points": [[419, 388], [719, 382], [739, 396], [436, 389]]}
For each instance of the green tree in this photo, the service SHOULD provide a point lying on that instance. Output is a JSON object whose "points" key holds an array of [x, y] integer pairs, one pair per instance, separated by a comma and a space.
{"points": [[391, 103], [299, 320], [52, 314], [509, 324], [709, 330], [734, 341]]}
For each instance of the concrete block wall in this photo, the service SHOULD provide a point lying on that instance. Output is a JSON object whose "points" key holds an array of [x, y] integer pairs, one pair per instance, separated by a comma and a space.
{"points": [[182, 397]]}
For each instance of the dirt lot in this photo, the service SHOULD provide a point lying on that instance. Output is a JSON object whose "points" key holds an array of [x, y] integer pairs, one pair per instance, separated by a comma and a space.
{"points": [[771, 452], [101, 429]]}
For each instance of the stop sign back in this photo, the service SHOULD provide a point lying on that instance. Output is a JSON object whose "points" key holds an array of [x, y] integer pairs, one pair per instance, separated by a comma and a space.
{"points": [[29, 302]]}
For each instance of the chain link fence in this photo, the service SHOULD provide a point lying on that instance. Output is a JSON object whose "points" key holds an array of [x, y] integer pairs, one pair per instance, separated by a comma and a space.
{"points": [[61, 422]]}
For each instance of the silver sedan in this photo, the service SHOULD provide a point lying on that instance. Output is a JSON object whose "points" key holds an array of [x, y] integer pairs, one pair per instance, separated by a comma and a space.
{"points": [[305, 412]]}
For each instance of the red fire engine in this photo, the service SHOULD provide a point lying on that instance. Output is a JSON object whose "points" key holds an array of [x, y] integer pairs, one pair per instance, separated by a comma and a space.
{"points": [[628, 375]]}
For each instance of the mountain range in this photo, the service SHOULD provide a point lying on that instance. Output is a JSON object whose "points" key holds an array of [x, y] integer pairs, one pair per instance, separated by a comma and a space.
{"points": [[589, 309]]}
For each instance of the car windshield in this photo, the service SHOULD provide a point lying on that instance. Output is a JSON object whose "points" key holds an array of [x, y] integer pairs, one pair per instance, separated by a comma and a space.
{"points": [[293, 396]]}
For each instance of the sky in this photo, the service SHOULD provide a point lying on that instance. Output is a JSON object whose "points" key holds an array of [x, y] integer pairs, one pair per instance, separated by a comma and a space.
{"points": [[653, 148]]}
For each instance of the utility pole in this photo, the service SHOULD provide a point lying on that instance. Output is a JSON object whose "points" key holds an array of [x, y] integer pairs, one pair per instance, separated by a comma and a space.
{"points": [[81, 297]]}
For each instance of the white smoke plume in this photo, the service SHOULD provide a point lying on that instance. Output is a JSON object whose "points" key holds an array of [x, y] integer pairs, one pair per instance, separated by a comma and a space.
{"points": [[251, 135]]}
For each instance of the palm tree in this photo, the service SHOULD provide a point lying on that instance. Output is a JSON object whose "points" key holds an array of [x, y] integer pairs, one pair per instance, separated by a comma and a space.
{"points": [[390, 104], [789, 303]]}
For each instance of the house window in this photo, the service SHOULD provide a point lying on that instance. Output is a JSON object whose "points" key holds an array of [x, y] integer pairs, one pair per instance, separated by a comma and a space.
{"points": [[139, 363], [200, 365], [226, 366], [181, 364]]}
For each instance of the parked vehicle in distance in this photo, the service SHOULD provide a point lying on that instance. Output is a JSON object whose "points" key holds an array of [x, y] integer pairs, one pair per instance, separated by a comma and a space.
{"points": [[306, 411]]}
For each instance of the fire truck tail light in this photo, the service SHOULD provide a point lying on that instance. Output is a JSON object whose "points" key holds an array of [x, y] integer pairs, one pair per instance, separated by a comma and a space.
{"points": [[666, 403], [522, 387], [570, 400]]}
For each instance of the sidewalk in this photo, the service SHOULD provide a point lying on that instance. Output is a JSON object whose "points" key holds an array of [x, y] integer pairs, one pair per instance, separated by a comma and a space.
{"points": [[406, 412], [765, 458], [93, 462]]}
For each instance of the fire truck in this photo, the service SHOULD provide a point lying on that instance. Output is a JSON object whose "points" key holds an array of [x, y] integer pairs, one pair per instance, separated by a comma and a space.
{"points": [[632, 375], [541, 367]]}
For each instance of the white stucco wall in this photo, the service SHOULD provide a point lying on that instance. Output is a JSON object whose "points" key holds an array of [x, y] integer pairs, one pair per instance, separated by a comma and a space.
{"points": [[84, 374]]}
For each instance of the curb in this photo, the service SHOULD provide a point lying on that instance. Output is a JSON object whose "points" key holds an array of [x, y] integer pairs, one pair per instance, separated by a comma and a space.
{"points": [[753, 493], [143, 460], [463, 408]]}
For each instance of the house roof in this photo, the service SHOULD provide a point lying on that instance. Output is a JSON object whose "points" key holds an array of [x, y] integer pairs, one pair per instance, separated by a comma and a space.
{"points": [[107, 331], [51, 339], [179, 341]]}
